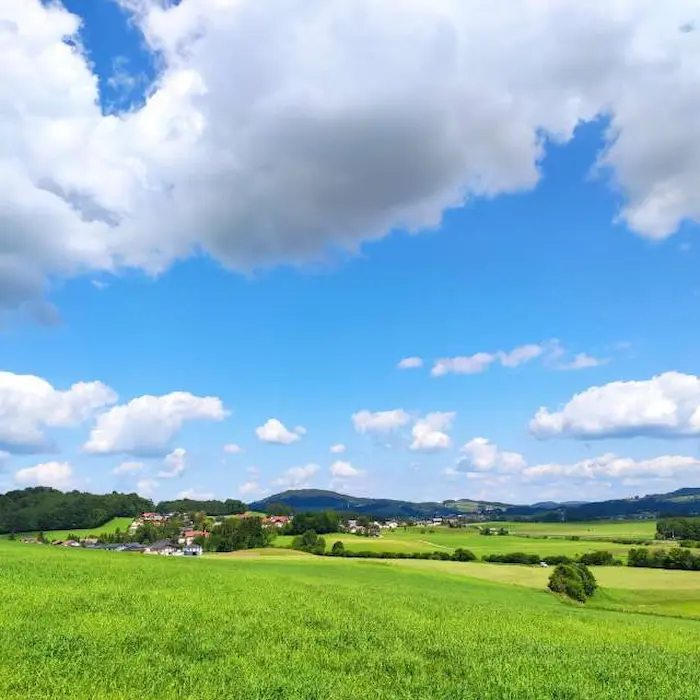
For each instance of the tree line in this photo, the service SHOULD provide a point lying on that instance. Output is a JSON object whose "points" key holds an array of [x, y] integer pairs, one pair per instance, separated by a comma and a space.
{"points": [[678, 529], [43, 508], [674, 558], [230, 506]]}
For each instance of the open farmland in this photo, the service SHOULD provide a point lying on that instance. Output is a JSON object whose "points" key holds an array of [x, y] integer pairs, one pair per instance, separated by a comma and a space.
{"points": [[124, 626], [611, 529], [416, 539], [109, 527]]}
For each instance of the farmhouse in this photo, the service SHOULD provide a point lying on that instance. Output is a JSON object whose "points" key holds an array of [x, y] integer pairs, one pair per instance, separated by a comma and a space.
{"points": [[162, 547], [277, 520], [189, 535]]}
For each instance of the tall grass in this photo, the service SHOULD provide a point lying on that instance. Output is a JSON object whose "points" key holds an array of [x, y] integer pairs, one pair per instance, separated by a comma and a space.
{"points": [[100, 625]]}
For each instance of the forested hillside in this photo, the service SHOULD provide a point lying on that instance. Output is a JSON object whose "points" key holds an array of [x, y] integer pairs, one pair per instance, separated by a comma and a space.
{"points": [[230, 506], [42, 508]]}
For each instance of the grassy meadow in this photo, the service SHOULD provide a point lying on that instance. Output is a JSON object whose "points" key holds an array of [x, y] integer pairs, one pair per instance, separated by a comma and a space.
{"points": [[532, 538], [611, 529], [79, 624], [108, 527]]}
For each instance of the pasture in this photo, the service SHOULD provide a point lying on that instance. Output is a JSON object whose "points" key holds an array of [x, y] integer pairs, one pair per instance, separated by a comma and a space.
{"points": [[415, 539], [78, 624], [609, 529]]}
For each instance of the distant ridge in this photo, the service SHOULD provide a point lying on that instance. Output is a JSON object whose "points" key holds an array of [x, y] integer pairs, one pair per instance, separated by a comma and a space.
{"points": [[684, 501]]}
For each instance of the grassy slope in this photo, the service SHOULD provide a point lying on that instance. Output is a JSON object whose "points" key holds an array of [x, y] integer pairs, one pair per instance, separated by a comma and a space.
{"points": [[119, 626], [651, 591], [109, 526]]}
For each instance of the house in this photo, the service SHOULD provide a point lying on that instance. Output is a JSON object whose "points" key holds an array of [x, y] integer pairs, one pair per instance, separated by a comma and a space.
{"points": [[162, 547], [192, 550], [155, 518], [189, 535], [131, 547]]}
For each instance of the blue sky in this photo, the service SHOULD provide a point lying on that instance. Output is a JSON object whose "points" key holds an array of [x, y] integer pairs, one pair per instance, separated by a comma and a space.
{"points": [[227, 222]]}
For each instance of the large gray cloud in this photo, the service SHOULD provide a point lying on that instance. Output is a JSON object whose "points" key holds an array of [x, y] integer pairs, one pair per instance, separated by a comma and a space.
{"points": [[279, 130]]}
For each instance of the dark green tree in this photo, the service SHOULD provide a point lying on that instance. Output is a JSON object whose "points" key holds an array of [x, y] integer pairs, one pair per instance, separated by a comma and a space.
{"points": [[574, 581], [461, 554]]}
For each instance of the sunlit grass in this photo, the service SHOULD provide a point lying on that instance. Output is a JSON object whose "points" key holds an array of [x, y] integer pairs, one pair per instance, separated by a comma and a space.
{"points": [[99, 625]]}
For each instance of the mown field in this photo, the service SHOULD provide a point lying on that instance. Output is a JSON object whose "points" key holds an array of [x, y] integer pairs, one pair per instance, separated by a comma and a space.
{"points": [[522, 537], [109, 526], [77, 624]]}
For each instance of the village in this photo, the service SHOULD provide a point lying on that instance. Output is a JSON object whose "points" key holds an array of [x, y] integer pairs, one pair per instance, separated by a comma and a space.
{"points": [[189, 538]]}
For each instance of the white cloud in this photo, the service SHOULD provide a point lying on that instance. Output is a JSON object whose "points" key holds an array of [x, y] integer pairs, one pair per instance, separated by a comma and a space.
{"points": [[145, 425], [429, 433], [193, 495], [583, 361], [610, 466], [29, 405], [463, 365], [481, 361], [251, 488], [233, 449], [345, 470], [58, 475], [146, 487], [410, 136], [380, 421], [521, 355], [276, 433], [337, 449], [482, 455], [667, 405], [410, 363], [175, 463], [128, 468], [297, 477]]}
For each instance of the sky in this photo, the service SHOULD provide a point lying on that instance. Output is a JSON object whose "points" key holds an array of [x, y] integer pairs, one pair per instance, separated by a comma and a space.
{"points": [[416, 249]]}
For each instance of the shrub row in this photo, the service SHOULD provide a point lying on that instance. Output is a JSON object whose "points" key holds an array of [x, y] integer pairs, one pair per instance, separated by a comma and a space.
{"points": [[458, 555], [675, 558], [602, 558]]}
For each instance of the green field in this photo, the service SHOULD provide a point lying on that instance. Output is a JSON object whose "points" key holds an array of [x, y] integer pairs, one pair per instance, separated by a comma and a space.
{"points": [[77, 624], [623, 529], [448, 539], [651, 591], [109, 526]]}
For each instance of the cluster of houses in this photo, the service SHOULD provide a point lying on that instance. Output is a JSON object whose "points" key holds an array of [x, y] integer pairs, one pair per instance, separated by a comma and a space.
{"points": [[185, 544], [165, 547], [374, 529]]}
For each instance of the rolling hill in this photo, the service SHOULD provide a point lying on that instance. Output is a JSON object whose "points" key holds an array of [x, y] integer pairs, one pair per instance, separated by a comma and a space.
{"points": [[685, 501]]}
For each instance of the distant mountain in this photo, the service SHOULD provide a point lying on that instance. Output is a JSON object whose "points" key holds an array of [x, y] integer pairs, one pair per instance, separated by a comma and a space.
{"points": [[315, 500], [685, 501]]}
